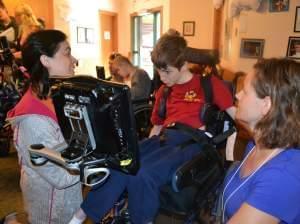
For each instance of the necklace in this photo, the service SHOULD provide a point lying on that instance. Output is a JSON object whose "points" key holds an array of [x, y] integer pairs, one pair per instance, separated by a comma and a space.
{"points": [[245, 181]]}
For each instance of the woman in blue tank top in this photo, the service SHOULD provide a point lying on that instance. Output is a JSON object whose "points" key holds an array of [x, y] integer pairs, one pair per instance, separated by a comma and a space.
{"points": [[265, 186]]}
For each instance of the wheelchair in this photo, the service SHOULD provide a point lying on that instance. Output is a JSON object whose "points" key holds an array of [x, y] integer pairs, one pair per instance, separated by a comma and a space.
{"points": [[142, 110], [10, 94], [192, 193], [12, 84]]}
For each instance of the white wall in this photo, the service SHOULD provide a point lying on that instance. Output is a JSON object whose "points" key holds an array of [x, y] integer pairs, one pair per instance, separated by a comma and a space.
{"points": [[70, 14], [275, 28]]}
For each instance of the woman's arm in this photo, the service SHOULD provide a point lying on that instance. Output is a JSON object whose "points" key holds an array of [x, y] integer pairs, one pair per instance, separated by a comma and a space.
{"points": [[38, 130], [247, 214]]}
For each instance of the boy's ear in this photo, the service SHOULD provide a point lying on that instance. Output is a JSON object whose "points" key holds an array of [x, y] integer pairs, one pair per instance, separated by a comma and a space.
{"points": [[184, 66], [44, 60]]}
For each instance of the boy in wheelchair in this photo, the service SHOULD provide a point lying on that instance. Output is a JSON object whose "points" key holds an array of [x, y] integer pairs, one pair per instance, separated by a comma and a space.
{"points": [[162, 153]]}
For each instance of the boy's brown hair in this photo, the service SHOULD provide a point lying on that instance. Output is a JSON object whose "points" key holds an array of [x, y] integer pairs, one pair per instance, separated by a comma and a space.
{"points": [[169, 50]]}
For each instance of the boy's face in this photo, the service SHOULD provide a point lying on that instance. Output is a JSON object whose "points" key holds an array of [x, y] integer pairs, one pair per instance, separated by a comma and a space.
{"points": [[170, 75]]}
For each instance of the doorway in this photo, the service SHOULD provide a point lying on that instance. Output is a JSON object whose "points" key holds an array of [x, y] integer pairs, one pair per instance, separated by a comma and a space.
{"points": [[108, 37], [146, 29]]}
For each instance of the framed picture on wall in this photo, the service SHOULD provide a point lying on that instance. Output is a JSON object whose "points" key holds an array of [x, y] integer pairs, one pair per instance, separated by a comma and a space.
{"points": [[252, 48], [80, 34], [293, 49], [85, 35], [279, 5], [89, 32], [188, 28], [297, 20]]}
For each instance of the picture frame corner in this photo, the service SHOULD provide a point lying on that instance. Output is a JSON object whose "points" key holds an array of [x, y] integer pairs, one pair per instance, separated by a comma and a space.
{"points": [[252, 48], [291, 51], [297, 20], [188, 28]]}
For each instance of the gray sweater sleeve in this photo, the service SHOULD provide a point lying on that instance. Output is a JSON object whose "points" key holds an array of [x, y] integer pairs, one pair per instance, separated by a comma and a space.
{"points": [[140, 85], [35, 129]]}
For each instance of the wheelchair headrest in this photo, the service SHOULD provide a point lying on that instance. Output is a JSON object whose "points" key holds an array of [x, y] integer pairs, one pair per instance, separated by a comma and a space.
{"points": [[202, 56]]}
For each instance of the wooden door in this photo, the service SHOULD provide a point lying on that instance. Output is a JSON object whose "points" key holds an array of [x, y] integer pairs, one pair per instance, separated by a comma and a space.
{"points": [[108, 36], [145, 32]]}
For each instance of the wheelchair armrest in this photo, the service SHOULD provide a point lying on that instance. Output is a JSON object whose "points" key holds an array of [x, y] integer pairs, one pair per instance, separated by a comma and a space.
{"points": [[218, 139], [143, 101], [140, 101], [198, 170]]}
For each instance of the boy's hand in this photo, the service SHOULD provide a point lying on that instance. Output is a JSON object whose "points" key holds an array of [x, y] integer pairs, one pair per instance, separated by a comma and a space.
{"points": [[155, 130]]}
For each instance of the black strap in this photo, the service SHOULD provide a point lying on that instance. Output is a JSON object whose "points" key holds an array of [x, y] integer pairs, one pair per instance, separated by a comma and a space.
{"points": [[197, 135], [223, 136], [205, 82], [162, 109]]}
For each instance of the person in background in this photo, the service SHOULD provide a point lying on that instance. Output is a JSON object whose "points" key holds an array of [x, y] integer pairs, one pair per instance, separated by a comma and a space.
{"points": [[265, 186], [50, 193], [137, 79], [7, 22], [27, 23], [161, 154], [114, 74]]}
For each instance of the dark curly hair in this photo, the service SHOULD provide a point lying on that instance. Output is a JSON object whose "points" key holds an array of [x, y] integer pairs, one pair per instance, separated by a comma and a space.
{"points": [[43, 42], [280, 80]]}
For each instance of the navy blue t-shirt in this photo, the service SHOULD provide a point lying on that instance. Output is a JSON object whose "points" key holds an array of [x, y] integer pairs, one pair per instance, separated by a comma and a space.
{"points": [[273, 189]]}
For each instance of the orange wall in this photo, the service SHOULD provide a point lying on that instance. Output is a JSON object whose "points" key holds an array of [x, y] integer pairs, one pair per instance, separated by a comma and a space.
{"points": [[41, 8], [199, 11]]}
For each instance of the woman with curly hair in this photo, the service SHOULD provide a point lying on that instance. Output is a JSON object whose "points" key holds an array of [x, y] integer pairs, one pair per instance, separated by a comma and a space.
{"points": [[265, 186]]}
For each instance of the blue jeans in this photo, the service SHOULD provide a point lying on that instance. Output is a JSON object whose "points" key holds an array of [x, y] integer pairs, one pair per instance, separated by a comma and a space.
{"points": [[158, 163]]}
